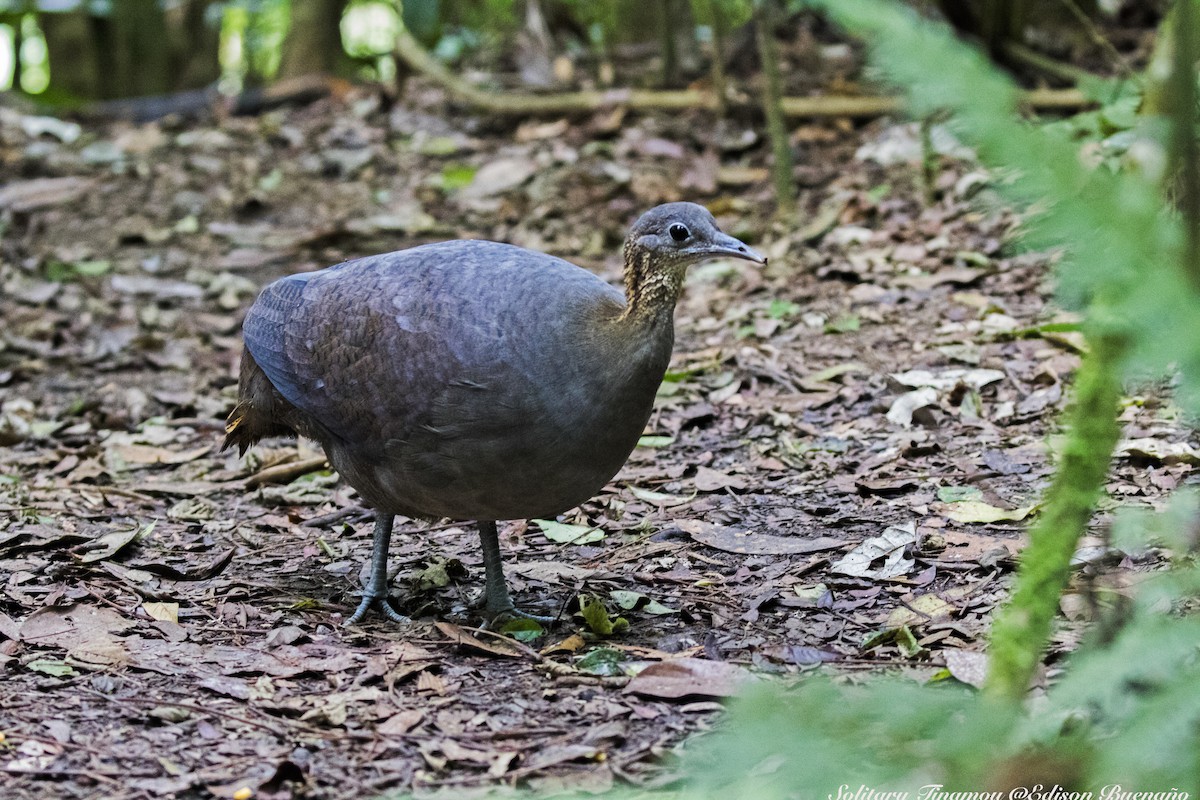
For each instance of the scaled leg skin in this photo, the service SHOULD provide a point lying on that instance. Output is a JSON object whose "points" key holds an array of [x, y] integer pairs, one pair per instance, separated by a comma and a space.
{"points": [[375, 594], [498, 605]]}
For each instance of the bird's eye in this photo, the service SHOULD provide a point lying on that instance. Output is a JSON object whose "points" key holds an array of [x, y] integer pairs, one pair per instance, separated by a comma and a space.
{"points": [[679, 232]]}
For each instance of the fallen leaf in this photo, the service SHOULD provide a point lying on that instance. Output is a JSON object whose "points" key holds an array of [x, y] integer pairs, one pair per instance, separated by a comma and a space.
{"points": [[948, 379], [400, 724], [602, 661], [711, 480], [497, 177], [523, 630], [660, 499], [732, 540], [166, 612], [822, 381], [964, 546], [487, 642], [967, 666], [1158, 451], [193, 509], [636, 600], [25, 196], [968, 511], [801, 655], [571, 644], [597, 618], [688, 677], [962, 276], [113, 542], [87, 633], [145, 455], [888, 487], [656, 441], [569, 534], [921, 609], [844, 324], [957, 494], [47, 666], [904, 406], [883, 556]]}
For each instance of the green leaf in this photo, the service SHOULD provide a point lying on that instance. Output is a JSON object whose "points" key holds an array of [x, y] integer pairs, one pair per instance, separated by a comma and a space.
{"points": [[877, 193], [92, 269], [603, 661], [523, 630], [271, 181], [781, 309], [438, 573], [596, 616], [636, 600], [569, 534], [656, 441], [457, 176], [968, 511], [836, 371], [58, 669], [956, 494], [844, 324], [626, 599], [657, 608], [907, 642]]}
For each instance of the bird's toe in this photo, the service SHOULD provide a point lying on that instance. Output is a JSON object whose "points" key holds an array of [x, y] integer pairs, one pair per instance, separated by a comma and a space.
{"points": [[379, 603]]}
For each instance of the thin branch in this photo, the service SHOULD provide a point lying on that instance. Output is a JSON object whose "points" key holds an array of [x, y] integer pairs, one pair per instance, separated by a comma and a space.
{"points": [[410, 51]]}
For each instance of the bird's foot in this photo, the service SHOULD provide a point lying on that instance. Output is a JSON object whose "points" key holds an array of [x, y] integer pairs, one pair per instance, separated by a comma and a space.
{"points": [[379, 602], [496, 617]]}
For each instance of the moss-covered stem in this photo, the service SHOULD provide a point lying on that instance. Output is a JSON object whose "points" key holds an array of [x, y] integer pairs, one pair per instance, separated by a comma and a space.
{"points": [[1023, 626], [781, 148]]}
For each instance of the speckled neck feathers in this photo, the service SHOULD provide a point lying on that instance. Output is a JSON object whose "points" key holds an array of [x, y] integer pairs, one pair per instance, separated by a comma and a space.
{"points": [[651, 289]]}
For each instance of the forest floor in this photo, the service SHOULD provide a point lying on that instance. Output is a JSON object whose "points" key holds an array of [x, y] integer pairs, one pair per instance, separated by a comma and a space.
{"points": [[835, 475]]}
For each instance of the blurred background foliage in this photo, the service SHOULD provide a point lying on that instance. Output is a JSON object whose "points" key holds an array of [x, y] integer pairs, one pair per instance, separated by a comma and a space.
{"points": [[68, 52], [75, 50]]}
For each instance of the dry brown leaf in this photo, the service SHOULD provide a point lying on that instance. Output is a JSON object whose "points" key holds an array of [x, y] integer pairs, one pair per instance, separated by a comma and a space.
{"points": [[144, 454], [87, 633], [732, 540], [25, 196], [487, 642], [711, 480], [688, 677], [400, 724]]}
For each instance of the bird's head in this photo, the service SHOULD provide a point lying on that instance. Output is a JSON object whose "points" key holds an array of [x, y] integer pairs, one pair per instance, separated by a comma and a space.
{"points": [[677, 235], [663, 243]]}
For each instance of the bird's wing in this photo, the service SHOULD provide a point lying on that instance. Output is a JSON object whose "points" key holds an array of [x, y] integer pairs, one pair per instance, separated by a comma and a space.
{"points": [[265, 330], [447, 340], [354, 347]]}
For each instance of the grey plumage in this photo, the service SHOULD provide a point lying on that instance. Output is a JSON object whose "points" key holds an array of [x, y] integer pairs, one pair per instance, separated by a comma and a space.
{"points": [[471, 379]]}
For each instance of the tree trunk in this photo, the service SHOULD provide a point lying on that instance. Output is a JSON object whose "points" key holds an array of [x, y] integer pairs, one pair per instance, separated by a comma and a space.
{"points": [[314, 42], [142, 52], [777, 133], [195, 45], [71, 51]]}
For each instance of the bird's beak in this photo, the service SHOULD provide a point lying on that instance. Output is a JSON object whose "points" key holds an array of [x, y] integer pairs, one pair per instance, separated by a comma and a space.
{"points": [[725, 246]]}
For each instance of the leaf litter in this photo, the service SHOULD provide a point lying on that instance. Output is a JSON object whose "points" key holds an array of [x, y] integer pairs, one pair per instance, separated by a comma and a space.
{"points": [[836, 469]]}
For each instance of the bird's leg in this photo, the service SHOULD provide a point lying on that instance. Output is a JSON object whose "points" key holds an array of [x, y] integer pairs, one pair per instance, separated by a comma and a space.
{"points": [[497, 603], [375, 594]]}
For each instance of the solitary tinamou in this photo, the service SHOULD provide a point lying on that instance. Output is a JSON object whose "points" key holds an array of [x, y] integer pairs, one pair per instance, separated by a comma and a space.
{"points": [[468, 379]]}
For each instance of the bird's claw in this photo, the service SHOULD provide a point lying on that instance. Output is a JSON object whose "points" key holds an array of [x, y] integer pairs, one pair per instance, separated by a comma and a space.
{"points": [[377, 601]]}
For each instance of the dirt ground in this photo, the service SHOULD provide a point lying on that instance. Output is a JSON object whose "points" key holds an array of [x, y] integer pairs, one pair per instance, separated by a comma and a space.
{"points": [[835, 476]]}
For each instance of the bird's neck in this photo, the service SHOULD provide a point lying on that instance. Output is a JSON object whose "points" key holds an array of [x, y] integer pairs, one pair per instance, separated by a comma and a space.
{"points": [[650, 292]]}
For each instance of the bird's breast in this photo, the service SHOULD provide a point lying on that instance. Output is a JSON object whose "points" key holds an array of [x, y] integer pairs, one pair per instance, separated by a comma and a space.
{"points": [[524, 438]]}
